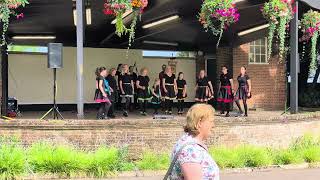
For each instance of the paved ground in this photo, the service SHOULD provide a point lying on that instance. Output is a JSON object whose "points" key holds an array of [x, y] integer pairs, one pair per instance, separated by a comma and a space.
{"points": [[301, 174]]}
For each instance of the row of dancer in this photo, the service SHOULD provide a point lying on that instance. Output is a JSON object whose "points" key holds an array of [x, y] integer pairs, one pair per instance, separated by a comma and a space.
{"points": [[164, 90]]}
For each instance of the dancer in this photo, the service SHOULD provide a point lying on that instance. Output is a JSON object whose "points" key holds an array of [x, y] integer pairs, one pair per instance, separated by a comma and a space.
{"points": [[114, 94], [156, 95], [182, 92], [101, 94], [161, 76], [126, 88], [170, 89], [225, 96], [244, 90], [134, 105], [144, 94], [204, 88]]}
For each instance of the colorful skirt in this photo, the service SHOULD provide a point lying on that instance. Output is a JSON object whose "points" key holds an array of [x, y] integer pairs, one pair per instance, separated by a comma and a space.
{"points": [[144, 94], [180, 94], [225, 94], [128, 90], [203, 94], [242, 93], [171, 94], [99, 98]]}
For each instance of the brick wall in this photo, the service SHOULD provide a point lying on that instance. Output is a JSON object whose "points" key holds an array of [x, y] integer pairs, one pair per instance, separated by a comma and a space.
{"points": [[268, 80], [156, 135]]}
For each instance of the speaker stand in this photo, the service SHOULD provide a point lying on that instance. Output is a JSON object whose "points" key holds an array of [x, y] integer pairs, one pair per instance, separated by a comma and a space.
{"points": [[55, 110]]}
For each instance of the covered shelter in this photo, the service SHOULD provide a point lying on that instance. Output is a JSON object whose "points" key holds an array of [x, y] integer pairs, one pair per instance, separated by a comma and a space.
{"points": [[54, 21]]}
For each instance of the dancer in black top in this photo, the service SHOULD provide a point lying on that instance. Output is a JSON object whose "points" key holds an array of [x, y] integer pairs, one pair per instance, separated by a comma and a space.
{"points": [[114, 94], [144, 92], [244, 90], [204, 88], [156, 95], [134, 100], [161, 76], [182, 92], [101, 95], [170, 89], [225, 96], [126, 88]]}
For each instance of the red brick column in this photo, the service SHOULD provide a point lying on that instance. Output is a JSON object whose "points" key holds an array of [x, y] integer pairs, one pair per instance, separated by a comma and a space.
{"points": [[268, 80]]}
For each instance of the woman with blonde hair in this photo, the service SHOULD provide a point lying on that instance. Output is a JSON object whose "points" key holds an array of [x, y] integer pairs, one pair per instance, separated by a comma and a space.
{"points": [[170, 89], [190, 157]]}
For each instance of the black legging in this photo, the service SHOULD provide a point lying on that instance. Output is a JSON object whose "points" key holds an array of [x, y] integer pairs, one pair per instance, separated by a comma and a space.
{"points": [[143, 106], [111, 110], [225, 107], [103, 109], [244, 105], [180, 105], [126, 104], [169, 104]]}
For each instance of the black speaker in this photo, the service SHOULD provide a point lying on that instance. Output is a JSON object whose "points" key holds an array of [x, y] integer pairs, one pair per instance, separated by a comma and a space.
{"points": [[55, 55]]}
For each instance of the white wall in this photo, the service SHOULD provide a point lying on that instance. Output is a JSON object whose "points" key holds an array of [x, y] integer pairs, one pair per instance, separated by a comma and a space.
{"points": [[30, 81]]}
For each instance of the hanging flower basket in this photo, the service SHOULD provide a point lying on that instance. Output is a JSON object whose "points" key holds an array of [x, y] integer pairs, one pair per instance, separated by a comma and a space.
{"points": [[9, 8], [278, 13], [218, 15], [118, 7], [310, 25]]}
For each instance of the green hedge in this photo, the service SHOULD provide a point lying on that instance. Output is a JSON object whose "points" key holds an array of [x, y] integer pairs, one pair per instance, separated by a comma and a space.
{"points": [[65, 160]]}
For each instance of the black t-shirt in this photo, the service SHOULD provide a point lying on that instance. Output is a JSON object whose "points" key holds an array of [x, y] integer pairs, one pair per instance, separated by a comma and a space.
{"points": [[242, 80], [169, 79], [143, 80], [181, 83], [225, 79], [203, 81], [134, 76], [125, 78], [112, 82], [98, 80]]}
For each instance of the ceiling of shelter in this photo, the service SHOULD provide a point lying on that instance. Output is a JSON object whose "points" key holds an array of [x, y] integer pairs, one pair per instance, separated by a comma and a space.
{"points": [[55, 17]]}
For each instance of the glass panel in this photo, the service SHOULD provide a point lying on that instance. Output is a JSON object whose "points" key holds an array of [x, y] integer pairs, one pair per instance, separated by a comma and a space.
{"points": [[263, 58], [251, 49], [257, 60], [263, 41], [251, 59], [257, 50], [252, 43], [258, 42], [264, 50]]}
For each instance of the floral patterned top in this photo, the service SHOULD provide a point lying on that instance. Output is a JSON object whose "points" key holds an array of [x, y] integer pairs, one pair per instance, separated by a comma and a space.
{"points": [[194, 153]]}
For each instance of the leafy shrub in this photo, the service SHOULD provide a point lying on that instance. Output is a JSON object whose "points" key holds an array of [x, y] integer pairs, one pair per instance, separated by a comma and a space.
{"points": [[47, 158], [287, 156], [153, 161], [312, 154], [226, 157], [104, 162], [254, 156], [12, 161]]}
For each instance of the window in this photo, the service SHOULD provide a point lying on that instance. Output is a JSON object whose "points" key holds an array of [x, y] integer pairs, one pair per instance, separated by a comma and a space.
{"points": [[168, 54], [258, 52], [27, 49]]}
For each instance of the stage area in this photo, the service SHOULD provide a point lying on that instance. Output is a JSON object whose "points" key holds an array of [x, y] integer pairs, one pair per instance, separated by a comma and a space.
{"points": [[262, 128]]}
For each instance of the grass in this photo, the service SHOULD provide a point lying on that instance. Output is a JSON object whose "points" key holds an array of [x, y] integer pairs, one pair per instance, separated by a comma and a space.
{"points": [[153, 161], [65, 160]]}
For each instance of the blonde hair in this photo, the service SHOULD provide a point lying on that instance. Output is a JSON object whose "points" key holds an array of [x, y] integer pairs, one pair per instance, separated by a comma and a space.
{"points": [[122, 69], [195, 114], [143, 69]]}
